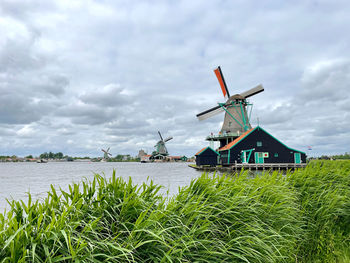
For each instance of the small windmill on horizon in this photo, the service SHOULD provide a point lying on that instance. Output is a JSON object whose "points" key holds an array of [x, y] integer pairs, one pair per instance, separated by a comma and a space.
{"points": [[237, 112], [160, 146], [106, 153]]}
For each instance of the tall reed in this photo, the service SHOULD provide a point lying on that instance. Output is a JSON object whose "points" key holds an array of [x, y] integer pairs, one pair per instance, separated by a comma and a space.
{"points": [[323, 189]]}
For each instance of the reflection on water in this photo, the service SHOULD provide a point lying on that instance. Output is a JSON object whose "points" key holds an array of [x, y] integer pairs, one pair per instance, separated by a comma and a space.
{"points": [[16, 179]]}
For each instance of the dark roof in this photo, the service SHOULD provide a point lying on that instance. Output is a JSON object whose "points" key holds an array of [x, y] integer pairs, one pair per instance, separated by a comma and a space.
{"points": [[202, 150], [234, 142], [237, 140]]}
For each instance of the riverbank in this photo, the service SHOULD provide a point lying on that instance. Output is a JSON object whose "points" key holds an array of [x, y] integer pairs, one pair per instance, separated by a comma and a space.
{"points": [[301, 216]]}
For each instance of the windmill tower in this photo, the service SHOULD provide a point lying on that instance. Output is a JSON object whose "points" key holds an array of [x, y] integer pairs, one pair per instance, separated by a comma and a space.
{"points": [[160, 146], [237, 112], [106, 153]]}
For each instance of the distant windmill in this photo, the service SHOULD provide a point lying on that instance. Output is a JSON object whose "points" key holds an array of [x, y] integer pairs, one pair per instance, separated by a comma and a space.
{"points": [[160, 146], [106, 153], [236, 116]]}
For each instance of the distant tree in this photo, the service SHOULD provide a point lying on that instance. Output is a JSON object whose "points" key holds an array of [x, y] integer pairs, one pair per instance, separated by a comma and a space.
{"points": [[342, 156], [44, 155], [119, 157], [29, 156], [324, 157], [58, 155]]}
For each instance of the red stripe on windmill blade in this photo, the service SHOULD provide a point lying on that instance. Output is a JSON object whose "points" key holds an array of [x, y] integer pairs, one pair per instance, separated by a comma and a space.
{"points": [[221, 80]]}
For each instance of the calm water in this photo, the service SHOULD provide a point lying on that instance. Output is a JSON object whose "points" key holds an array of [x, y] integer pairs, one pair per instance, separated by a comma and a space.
{"points": [[16, 179]]}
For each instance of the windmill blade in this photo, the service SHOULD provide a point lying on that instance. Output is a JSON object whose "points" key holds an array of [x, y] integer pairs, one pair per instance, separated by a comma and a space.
{"points": [[103, 150], [161, 138], [252, 91], [168, 139], [108, 149], [222, 82], [209, 113]]}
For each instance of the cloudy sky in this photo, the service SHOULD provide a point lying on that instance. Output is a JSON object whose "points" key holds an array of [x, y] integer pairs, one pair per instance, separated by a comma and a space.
{"points": [[78, 76]]}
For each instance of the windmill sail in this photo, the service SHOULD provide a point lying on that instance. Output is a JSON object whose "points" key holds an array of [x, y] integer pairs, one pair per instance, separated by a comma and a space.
{"points": [[168, 139], [252, 91], [209, 113], [222, 82], [161, 138]]}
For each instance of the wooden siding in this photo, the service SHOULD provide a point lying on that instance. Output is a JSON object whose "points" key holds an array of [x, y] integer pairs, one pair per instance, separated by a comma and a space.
{"points": [[269, 145], [207, 157]]}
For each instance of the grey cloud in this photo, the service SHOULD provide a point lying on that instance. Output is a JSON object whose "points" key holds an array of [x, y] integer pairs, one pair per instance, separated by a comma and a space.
{"points": [[5, 131], [108, 96], [16, 57], [329, 81], [85, 114], [24, 100], [25, 77], [51, 84], [329, 126], [127, 123], [104, 105], [21, 9], [17, 109]]}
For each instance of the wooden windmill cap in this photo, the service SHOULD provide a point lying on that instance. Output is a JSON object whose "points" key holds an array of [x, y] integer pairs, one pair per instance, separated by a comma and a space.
{"points": [[237, 97]]}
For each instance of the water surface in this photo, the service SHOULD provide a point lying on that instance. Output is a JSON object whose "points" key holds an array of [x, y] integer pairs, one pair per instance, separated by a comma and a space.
{"points": [[16, 179]]}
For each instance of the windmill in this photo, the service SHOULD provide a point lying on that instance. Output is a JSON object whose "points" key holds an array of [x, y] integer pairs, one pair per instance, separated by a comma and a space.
{"points": [[106, 153], [160, 146], [236, 108]]}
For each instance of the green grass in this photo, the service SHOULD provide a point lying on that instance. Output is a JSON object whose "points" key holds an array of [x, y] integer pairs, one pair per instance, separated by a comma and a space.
{"points": [[302, 216]]}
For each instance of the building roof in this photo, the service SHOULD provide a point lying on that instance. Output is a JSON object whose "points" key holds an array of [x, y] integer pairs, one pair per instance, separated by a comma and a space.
{"points": [[201, 150], [234, 142], [175, 157], [237, 140], [204, 149]]}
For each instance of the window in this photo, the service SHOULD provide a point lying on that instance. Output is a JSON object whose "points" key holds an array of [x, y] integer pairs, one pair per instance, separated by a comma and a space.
{"points": [[229, 124], [276, 154], [258, 144]]}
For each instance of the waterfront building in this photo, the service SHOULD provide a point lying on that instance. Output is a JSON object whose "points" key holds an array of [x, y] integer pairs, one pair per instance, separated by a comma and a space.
{"points": [[207, 156], [258, 146]]}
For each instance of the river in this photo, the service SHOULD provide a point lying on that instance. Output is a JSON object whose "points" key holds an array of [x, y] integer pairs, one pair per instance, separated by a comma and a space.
{"points": [[16, 179]]}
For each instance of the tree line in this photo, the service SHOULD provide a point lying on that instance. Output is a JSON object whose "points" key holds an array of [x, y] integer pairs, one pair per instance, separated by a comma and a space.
{"points": [[51, 155]]}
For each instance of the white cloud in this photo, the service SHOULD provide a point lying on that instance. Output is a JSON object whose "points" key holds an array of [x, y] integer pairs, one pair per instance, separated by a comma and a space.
{"points": [[26, 131]]}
